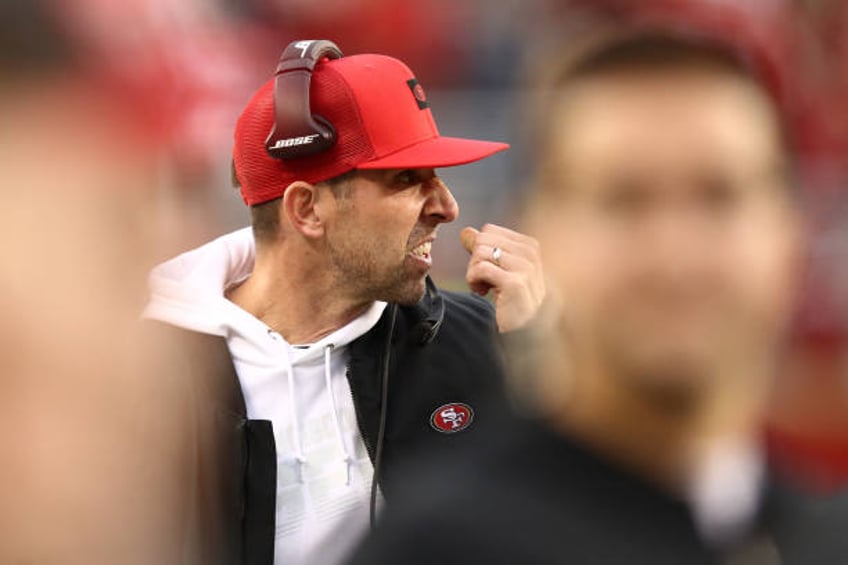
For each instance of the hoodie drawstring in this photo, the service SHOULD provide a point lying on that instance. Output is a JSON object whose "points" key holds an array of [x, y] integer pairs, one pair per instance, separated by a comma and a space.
{"points": [[298, 442], [348, 460]]}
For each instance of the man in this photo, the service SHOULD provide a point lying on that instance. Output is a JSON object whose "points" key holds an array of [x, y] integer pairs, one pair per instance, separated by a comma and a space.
{"points": [[83, 431], [322, 356], [669, 230]]}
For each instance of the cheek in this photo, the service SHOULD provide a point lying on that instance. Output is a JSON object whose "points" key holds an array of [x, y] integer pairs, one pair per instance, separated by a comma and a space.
{"points": [[366, 231], [396, 223], [392, 235], [382, 242], [761, 267]]}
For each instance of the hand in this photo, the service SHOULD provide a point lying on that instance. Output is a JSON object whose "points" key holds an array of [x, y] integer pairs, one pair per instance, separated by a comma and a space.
{"points": [[515, 277]]}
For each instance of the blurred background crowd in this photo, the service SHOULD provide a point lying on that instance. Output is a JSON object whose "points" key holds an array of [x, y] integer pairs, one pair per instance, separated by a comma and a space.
{"points": [[117, 122]]}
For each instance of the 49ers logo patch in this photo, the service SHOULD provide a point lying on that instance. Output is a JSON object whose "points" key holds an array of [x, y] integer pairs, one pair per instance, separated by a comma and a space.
{"points": [[452, 418], [418, 93]]}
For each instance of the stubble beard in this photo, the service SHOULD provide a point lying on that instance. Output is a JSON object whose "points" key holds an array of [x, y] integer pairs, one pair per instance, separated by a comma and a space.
{"points": [[675, 384], [675, 377], [365, 273]]}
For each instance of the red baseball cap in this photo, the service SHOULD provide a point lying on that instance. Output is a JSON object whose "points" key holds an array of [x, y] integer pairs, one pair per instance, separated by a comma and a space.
{"points": [[382, 121]]}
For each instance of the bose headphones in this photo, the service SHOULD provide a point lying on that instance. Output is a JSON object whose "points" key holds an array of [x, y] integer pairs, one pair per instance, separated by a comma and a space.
{"points": [[297, 132]]}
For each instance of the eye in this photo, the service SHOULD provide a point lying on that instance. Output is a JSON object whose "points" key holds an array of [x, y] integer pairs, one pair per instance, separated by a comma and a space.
{"points": [[406, 177], [719, 196], [626, 199]]}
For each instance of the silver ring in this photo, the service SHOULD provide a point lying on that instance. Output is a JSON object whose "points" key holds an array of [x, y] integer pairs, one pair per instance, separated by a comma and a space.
{"points": [[496, 256]]}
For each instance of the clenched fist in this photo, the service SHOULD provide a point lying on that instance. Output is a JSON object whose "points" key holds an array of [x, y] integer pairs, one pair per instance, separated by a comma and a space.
{"points": [[508, 264]]}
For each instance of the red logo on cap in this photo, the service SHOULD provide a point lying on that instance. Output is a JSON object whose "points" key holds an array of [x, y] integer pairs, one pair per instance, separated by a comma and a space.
{"points": [[418, 91], [452, 418]]}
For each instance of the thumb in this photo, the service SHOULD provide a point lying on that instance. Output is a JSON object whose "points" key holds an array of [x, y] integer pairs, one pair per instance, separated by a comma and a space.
{"points": [[468, 236]]}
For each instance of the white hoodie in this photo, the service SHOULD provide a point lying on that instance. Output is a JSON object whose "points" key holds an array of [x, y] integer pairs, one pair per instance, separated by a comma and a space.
{"points": [[323, 469]]}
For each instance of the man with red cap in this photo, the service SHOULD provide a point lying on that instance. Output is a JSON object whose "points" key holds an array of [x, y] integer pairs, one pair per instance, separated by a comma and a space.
{"points": [[316, 351]]}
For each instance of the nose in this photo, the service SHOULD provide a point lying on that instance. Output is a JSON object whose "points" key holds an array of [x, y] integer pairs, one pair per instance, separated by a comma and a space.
{"points": [[678, 244], [441, 206]]}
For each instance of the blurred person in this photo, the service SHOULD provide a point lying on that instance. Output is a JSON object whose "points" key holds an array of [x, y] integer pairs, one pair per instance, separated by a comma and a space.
{"points": [[86, 441], [671, 238], [320, 352], [802, 42]]}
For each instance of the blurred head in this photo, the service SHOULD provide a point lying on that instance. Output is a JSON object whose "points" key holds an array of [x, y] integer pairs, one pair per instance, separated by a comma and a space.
{"points": [[665, 214], [79, 231], [368, 207]]}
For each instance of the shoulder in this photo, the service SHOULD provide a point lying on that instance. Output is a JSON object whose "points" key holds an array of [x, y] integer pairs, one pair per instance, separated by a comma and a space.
{"points": [[468, 321], [176, 343], [455, 304], [468, 314], [440, 312], [198, 362], [817, 521], [466, 304]]}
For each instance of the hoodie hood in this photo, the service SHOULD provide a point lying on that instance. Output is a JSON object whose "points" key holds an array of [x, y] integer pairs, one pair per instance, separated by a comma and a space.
{"points": [[188, 292]]}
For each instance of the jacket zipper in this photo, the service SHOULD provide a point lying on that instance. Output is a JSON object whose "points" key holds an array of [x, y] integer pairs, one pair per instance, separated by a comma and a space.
{"points": [[368, 446]]}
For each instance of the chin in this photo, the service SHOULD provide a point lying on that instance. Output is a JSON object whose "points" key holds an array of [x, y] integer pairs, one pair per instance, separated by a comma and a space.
{"points": [[412, 294], [673, 380], [406, 293]]}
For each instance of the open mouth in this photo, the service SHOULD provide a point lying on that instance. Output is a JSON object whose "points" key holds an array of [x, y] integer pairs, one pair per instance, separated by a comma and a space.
{"points": [[422, 252]]}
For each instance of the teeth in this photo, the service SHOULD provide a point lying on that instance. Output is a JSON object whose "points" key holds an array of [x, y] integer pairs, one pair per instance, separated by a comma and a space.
{"points": [[422, 250]]}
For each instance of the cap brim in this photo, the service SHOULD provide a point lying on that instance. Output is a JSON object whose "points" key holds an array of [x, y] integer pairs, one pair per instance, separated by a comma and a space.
{"points": [[435, 153]]}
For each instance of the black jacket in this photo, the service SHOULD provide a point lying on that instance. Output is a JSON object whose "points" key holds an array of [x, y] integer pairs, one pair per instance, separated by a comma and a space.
{"points": [[439, 352], [531, 496]]}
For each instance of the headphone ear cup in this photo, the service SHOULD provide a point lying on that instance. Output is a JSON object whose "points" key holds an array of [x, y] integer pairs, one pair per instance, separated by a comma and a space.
{"points": [[326, 129], [296, 131]]}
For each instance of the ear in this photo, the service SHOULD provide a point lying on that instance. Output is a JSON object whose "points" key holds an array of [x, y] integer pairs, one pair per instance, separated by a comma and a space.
{"points": [[300, 209]]}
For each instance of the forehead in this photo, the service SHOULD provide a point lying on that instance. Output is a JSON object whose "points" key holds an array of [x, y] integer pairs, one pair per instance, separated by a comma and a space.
{"points": [[681, 118]]}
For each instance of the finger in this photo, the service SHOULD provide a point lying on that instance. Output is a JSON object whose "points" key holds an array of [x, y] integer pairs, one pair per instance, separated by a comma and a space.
{"points": [[468, 237], [514, 300], [476, 282], [512, 246], [484, 275], [520, 273], [508, 261], [530, 273], [509, 234], [503, 283], [480, 288]]}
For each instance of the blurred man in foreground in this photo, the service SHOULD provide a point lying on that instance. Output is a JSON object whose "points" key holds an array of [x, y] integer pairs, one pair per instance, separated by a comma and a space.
{"points": [[86, 444], [671, 237]]}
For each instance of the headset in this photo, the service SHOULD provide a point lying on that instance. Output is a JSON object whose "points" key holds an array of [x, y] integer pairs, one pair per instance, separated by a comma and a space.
{"points": [[297, 132]]}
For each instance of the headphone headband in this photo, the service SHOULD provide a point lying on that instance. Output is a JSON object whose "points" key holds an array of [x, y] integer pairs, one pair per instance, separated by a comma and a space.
{"points": [[296, 131]]}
